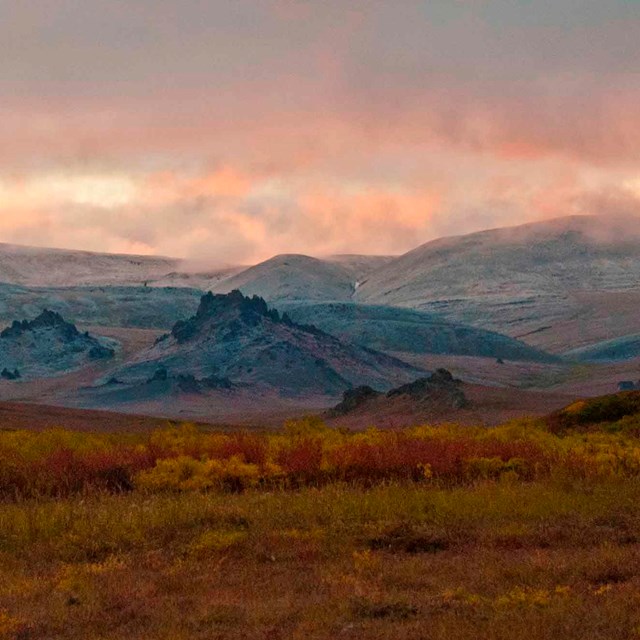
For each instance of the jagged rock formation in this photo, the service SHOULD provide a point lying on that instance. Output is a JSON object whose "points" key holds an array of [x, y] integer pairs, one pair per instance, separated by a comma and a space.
{"points": [[46, 346], [187, 382], [440, 391], [238, 341], [439, 386]]}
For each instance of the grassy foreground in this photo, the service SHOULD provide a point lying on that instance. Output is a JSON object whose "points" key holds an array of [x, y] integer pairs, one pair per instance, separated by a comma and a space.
{"points": [[537, 560], [529, 530]]}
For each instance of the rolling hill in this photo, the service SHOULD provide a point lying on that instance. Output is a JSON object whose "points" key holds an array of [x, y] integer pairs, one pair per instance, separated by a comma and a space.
{"points": [[359, 266], [46, 267], [113, 306], [557, 285]]}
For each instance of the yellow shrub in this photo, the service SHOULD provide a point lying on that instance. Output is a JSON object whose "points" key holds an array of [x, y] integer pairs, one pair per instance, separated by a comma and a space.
{"points": [[232, 473], [187, 474], [173, 474]]}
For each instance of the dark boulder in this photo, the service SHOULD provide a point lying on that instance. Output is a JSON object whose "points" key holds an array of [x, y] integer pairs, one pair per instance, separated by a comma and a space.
{"points": [[354, 398], [214, 382], [440, 386]]}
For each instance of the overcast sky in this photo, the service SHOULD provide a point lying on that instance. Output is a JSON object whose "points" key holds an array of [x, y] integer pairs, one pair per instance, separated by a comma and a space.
{"points": [[229, 131]]}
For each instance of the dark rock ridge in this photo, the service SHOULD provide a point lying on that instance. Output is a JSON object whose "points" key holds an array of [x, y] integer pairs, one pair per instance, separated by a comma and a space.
{"points": [[48, 345], [396, 330], [238, 341], [440, 389], [440, 379], [354, 398]]}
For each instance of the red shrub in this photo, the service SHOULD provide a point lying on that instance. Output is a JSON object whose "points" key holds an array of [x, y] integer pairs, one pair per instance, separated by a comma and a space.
{"points": [[302, 460], [252, 449]]}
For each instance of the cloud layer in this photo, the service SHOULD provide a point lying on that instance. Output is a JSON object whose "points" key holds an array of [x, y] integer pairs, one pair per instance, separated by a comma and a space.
{"points": [[230, 131]]}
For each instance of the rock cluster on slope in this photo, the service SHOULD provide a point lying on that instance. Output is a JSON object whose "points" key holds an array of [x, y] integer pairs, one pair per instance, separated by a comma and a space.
{"points": [[47, 345], [440, 389], [235, 340]]}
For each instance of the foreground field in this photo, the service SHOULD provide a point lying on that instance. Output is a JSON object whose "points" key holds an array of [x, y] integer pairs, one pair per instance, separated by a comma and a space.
{"points": [[529, 530], [492, 561]]}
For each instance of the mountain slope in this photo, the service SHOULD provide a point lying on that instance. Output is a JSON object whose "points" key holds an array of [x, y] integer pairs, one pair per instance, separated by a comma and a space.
{"points": [[405, 330], [48, 345], [523, 281], [237, 341], [359, 266]]}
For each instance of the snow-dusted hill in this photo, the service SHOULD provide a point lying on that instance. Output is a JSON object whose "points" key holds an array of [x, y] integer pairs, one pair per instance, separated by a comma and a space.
{"points": [[558, 285], [623, 348], [552, 257], [359, 266], [293, 277], [35, 266], [546, 282], [284, 276]]}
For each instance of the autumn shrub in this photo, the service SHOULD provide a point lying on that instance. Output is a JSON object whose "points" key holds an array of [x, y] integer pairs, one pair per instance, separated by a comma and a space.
{"points": [[301, 460], [63, 471], [58, 463], [185, 473]]}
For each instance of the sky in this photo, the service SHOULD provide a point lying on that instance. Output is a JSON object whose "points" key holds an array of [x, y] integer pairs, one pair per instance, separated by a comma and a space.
{"points": [[228, 131]]}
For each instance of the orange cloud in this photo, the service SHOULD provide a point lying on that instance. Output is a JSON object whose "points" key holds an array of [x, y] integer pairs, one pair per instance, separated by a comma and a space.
{"points": [[224, 182]]}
